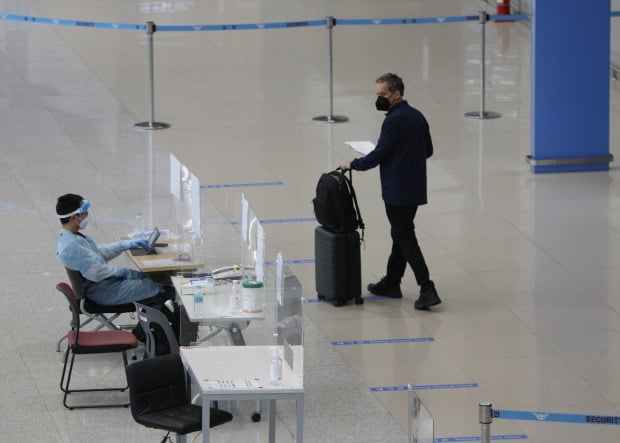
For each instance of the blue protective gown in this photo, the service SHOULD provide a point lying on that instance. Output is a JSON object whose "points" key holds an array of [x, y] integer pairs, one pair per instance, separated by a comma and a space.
{"points": [[106, 284]]}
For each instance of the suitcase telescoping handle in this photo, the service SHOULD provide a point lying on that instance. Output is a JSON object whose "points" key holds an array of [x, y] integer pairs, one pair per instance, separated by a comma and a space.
{"points": [[349, 179]]}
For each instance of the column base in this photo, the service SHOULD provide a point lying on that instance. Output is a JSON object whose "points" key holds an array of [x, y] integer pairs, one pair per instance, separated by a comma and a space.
{"points": [[571, 164]]}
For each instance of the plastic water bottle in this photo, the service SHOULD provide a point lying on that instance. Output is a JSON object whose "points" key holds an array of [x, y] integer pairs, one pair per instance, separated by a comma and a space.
{"points": [[234, 299], [198, 299], [275, 368], [139, 222]]}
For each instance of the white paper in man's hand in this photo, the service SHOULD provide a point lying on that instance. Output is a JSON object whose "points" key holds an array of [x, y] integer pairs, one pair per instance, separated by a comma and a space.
{"points": [[363, 147]]}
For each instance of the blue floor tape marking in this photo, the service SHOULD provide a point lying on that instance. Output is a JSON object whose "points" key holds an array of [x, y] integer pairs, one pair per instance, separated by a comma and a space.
{"points": [[13, 207], [424, 387], [477, 438], [280, 220], [303, 261], [288, 220], [382, 341], [366, 298], [241, 185], [593, 419]]}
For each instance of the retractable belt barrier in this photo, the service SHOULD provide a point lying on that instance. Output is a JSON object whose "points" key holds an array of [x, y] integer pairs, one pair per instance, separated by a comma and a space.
{"points": [[328, 22], [254, 26]]}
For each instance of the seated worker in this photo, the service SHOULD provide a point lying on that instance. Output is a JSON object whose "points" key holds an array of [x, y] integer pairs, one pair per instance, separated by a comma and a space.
{"points": [[106, 284]]}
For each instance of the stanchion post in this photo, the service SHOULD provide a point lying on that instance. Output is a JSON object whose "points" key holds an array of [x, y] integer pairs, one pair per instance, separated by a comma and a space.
{"points": [[330, 22], [151, 123], [485, 417], [482, 113]]}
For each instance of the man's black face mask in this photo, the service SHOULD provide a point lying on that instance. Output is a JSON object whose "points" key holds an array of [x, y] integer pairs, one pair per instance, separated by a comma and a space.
{"points": [[382, 103]]}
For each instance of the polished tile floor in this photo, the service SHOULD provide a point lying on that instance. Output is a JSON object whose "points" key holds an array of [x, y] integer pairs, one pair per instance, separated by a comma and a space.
{"points": [[527, 265]]}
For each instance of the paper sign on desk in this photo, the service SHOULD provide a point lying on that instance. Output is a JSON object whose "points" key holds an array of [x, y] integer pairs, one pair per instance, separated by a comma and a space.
{"points": [[233, 384], [163, 262], [363, 147]]}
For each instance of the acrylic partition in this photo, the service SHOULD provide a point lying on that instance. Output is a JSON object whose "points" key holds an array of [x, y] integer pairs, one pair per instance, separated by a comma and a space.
{"points": [[252, 242], [139, 198], [288, 331], [233, 312], [421, 424], [164, 193]]}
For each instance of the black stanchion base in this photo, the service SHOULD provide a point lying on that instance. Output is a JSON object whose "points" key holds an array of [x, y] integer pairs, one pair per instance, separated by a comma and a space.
{"points": [[330, 119], [149, 126], [482, 115]]}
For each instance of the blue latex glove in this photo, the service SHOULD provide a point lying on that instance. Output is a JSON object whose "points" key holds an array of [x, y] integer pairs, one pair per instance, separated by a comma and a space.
{"points": [[133, 244]]}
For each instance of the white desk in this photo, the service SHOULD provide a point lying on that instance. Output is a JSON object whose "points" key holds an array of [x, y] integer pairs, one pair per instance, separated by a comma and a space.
{"points": [[214, 310], [165, 260], [214, 307], [207, 366]]}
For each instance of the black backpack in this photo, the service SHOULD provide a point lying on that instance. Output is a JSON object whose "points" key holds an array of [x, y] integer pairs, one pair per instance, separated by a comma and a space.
{"points": [[335, 204]]}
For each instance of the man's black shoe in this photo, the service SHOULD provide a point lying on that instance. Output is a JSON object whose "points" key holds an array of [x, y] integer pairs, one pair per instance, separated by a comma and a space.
{"points": [[385, 289], [427, 299]]}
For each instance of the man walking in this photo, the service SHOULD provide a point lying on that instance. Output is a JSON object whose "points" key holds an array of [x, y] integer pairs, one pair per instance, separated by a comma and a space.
{"points": [[401, 152]]}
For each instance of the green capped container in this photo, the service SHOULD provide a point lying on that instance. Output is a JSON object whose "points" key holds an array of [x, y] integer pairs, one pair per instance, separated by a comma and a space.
{"points": [[252, 296]]}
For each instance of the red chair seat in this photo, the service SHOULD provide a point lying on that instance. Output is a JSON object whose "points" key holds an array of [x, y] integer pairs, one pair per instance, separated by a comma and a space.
{"points": [[101, 341]]}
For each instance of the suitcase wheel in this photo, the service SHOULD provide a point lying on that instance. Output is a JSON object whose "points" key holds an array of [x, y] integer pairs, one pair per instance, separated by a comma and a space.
{"points": [[338, 303], [359, 301], [320, 297]]}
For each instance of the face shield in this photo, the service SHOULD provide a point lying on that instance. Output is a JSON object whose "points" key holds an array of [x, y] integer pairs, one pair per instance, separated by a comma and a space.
{"points": [[79, 211], [83, 209]]}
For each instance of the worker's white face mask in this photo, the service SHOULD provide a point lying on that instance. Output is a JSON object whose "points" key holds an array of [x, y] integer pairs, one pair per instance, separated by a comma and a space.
{"points": [[84, 222]]}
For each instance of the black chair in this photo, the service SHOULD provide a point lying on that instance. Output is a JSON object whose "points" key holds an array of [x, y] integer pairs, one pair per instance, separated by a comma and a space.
{"points": [[160, 397], [152, 320], [90, 342], [104, 315]]}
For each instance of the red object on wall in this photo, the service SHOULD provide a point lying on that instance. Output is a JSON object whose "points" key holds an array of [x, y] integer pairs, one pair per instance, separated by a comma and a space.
{"points": [[503, 7]]}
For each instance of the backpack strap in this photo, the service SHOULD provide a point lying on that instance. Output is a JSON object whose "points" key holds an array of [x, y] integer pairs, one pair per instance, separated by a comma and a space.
{"points": [[360, 222]]}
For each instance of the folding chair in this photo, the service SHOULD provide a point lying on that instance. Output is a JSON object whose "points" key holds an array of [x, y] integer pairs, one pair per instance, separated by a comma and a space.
{"points": [[160, 397], [150, 318], [90, 342], [94, 311]]}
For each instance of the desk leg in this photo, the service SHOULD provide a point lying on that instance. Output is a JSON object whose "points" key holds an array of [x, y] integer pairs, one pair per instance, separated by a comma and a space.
{"points": [[299, 414], [236, 335], [272, 421], [206, 419]]}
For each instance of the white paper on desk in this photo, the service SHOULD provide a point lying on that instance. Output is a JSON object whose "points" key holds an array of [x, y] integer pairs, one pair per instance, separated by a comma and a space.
{"points": [[163, 262], [363, 147], [233, 384]]}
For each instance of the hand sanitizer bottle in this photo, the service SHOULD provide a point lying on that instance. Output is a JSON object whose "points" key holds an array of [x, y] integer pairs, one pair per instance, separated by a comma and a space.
{"points": [[275, 368], [198, 299], [234, 299]]}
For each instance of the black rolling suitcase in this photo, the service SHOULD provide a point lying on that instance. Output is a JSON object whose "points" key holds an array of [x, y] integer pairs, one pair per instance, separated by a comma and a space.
{"points": [[338, 275]]}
